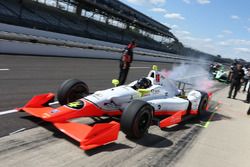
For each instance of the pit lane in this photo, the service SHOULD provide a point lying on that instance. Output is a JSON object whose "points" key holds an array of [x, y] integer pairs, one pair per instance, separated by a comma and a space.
{"points": [[30, 75]]}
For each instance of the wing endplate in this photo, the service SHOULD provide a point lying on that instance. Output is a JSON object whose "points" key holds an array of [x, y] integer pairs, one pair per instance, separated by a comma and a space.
{"points": [[90, 137], [174, 119]]}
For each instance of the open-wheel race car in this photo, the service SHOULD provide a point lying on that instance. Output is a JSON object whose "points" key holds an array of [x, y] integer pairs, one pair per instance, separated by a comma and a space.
{"points": [[217, 72], [137, 105]]}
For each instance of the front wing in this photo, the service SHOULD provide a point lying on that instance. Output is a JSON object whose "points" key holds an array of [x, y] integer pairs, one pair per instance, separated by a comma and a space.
{"points": [[88, 136]]}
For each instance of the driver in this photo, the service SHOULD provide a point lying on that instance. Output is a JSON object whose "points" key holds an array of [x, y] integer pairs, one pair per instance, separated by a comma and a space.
{"points": [[142, 83]]}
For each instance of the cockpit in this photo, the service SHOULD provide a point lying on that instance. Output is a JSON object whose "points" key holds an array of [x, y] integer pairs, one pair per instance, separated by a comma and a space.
{"points": [[143, 83]]}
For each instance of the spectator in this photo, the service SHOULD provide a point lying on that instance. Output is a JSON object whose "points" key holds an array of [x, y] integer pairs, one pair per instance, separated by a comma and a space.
{"points": [[236, 79], [247, 86], [230, 72], [246, 78], [125, 61]]}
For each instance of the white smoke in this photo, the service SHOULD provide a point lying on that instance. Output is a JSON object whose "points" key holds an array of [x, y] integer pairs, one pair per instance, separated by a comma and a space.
{"points": [[194, 74]]}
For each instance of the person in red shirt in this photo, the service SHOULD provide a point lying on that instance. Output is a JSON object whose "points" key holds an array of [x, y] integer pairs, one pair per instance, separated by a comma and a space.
{"points": [[125, 61]]}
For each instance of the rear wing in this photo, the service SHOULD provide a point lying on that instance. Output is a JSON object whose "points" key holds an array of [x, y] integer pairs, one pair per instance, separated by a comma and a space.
{"points": [[181, 84]]}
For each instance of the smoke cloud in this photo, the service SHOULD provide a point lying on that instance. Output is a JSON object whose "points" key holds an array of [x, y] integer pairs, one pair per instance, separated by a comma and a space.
{"points": [[194, 74]]}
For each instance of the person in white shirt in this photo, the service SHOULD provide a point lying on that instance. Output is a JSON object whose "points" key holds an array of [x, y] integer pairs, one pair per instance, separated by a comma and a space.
{"points": [[247, 86]]}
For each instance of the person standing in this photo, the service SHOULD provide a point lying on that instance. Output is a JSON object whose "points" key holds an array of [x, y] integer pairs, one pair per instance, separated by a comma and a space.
{"points": [[125, 61], [246, 78], [236, 80], [247, 85], [248, 93], [230, 72]]}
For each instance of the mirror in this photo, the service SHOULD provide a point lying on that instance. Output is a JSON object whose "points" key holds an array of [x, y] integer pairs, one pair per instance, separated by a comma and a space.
{"points": [[155, 67], [115, 82]]}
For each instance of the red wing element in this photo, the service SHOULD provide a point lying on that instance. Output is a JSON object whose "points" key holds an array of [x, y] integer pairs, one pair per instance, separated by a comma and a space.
{"points": [[90, 137], [174, 119], [38, 112], [38, 105], [40, 100]]}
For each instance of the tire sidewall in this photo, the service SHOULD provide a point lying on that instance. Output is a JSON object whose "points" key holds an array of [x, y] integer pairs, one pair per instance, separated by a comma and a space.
{"points": [[66, 88], [131, 116], [203, 104], [143, 111]]}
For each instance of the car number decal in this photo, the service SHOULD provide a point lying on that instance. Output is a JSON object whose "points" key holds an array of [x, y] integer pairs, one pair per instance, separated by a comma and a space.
{"points": [[76, 105]]}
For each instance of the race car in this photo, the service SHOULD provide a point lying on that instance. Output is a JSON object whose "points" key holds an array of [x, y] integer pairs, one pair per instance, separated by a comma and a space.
{"points": [[217, 72], [151, 100], [221, 76]]}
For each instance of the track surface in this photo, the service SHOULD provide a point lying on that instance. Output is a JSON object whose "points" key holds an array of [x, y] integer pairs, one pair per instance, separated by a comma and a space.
{"points": [[29, 75]]}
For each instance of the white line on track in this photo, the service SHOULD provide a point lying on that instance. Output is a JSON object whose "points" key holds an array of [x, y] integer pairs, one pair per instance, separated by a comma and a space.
{"points": [[140, 67], [4, 69], [53, 103], [8, 112]]}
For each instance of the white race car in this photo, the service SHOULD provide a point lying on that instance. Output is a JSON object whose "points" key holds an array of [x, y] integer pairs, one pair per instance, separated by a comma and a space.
{"points": [[138, 104]]}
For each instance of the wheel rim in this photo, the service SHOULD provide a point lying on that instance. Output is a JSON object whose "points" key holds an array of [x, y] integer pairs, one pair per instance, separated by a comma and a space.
{"points": [[143, 123]]}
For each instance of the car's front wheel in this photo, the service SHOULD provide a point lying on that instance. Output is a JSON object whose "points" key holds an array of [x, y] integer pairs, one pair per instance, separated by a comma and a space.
{"points": [[72, 90], [136, 119]]}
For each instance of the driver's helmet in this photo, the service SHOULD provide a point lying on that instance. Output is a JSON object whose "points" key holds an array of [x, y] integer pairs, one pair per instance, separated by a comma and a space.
{"points": [[143, 83]]}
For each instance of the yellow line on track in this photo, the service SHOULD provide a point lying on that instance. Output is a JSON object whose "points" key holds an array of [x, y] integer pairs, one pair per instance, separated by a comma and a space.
{"points": [[211, 117]]}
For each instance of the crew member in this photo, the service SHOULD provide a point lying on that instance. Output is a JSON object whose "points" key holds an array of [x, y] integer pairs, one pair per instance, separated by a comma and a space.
{"points": [[236, 80], [125, 61], [230, 72]]}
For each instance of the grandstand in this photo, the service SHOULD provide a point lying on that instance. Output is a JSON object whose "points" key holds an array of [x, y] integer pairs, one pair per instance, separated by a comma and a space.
{"points": [[105, 20]]}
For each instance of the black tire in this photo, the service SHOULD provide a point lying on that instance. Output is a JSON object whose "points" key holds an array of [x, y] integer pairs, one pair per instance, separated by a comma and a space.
{"points": [[136, 119], [223, 77], [203, 103], [72, 90]]}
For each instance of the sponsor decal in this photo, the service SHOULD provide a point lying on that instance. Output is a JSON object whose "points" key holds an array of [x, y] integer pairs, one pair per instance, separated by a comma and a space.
{"points": [[158, 78], [159, 107], [98, 94], [136, 96], [155, 91], [76, 105], [46, 115], [110, 106], [54, 111], [96, 97]]}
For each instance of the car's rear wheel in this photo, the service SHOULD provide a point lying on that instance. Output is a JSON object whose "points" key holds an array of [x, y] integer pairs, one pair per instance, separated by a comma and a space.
{"points": [[72, 90], [203, 104], [136, 119]]}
